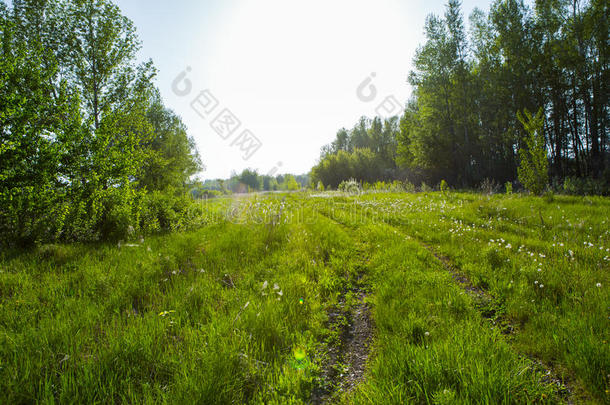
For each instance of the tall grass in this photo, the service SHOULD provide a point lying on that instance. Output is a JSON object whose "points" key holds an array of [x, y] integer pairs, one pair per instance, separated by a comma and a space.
{"points": [[237, 310]]}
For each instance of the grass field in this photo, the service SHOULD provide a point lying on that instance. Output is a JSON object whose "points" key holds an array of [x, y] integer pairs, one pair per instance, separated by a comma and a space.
{"points": [[324, 298]]}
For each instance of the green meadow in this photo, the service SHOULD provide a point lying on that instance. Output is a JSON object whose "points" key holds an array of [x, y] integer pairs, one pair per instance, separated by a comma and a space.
{"points": [[375, 298]]}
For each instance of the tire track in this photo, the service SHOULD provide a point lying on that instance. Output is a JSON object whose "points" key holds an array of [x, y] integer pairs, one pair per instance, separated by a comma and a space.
{"points": [[344, 364], [489, 307]]}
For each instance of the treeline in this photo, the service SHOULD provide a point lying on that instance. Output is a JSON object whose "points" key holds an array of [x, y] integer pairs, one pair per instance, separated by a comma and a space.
{"points": [[367, 152], [249, 180], [468, 86], [88, 150]]}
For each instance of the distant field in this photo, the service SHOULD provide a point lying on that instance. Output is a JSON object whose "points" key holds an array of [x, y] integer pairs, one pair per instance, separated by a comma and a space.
{"points": [[325, 298]]}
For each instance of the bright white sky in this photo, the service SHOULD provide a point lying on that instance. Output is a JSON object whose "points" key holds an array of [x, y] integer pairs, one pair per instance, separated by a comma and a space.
{"points": [[287, 69]]}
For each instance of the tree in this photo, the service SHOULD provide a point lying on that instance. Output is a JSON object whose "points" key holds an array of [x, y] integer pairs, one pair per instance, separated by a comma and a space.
{"points": [[40, 133], [173, 156], [533, 168], [83, 132], [341, 141], [290, 183], [103, 46], [251, 179]]}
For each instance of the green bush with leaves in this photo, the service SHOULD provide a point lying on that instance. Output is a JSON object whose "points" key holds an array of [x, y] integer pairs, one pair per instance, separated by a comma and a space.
{"points": [[588, 186], [350, 186], [533, 169], [290, 183], [443, 186], [84, 135]]}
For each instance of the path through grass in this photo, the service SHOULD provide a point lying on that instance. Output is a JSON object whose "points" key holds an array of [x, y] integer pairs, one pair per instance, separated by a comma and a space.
{"points": [[298, 299]]}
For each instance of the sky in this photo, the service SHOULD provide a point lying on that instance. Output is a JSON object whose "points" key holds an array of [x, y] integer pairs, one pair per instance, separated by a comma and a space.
{"points": [[264, 84]]}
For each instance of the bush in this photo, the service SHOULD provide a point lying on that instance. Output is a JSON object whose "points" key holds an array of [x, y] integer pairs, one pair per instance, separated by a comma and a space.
{"points": [[408, 186], [350, 186], [585, 186], [533, 169], [164, 212], [393, 187], [30, 215], [444, 187], [509, 188], [489, 186], [207, 193]]}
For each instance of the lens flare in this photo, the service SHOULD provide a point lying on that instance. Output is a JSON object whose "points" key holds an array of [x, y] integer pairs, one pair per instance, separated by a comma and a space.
{"points": [[299, 354]]}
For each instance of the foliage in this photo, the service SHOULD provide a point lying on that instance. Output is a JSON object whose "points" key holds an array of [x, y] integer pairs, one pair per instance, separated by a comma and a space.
{"points": [[360, 164], [409, 187], [394, 186], [251, 179], [460, 123], [351, 186], [489, 186], [367, 153], [173, 156], [443, 186], [290, 183], [533, 168], [585, 186], [83, 133]]}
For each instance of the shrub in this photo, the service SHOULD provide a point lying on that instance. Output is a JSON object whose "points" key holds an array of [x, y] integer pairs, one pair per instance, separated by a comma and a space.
{"points": [[443, 186], [585, 186], [207, 193], [424, 188], [533, 169], [488, 186], [163, 211], [408, 186], [396, 187], [350, 186], [380, 186], [509, 188]]}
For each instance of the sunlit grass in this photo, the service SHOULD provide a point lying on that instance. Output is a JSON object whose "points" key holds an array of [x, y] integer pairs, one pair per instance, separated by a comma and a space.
{"points": [[236, 310]]}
